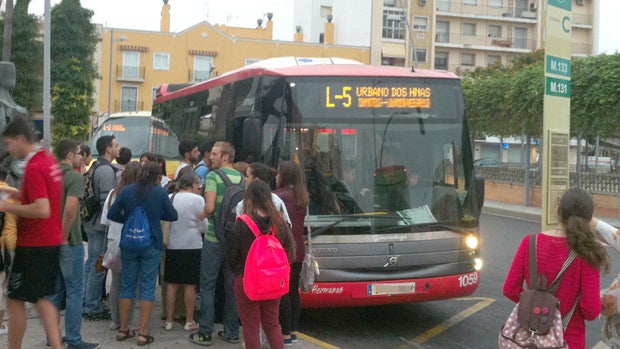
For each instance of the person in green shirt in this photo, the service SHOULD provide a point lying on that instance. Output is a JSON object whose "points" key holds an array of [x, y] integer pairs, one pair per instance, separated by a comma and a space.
{"points": [[71, 259], [213, 253]]}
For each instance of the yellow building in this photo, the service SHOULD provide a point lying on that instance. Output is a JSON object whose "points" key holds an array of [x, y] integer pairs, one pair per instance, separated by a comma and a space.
{"points": [[134, 63]]}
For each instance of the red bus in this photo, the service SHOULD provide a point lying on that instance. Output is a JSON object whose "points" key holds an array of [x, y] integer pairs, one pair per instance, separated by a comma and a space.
{"points": [[388, 161]]}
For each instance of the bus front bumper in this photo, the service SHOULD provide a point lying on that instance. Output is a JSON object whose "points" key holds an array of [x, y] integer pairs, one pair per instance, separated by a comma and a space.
{"points": [[364, 293]]}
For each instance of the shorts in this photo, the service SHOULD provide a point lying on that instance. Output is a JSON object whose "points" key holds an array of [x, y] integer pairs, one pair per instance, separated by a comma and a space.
{"points": [[33, 273], [182, 267]]}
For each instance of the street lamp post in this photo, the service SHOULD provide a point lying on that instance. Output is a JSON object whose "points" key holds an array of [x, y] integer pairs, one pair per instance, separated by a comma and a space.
{"points": [[112, 41]]}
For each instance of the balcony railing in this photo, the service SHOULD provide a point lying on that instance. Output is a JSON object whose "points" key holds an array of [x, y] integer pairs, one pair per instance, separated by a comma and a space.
{"points": [[483, 42], [130, 73], [487, 9], [127, 105]]}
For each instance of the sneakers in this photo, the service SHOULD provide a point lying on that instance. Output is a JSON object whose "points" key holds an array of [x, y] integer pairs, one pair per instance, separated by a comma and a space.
{"points": [[200, 338], [288, 342], [102, 315], [4, 329], [191, 326], [84, 345], [293, 337], [63, 341], [168, 325], [220, 335]]}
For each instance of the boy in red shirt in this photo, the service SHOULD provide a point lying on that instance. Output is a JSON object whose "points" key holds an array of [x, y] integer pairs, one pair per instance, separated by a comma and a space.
{"points": [[35, 266]]}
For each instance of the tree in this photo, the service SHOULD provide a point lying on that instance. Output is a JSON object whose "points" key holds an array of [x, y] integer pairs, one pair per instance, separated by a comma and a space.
{"points": [[73, 43], [595, 96], [27, 55]]}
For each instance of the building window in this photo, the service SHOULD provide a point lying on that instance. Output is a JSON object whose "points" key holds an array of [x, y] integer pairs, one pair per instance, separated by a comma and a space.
{"points": [[420, 24], [202, 68], [520, 38], [393, 24], [495, 31], [129, 98], [470, 2], [443, 30], [469, 29], [161, 61], [441, 60], [496, 3], [131, 65], [468, 59], [443, 5], [420, 55], [154, 93], [493, 59]]}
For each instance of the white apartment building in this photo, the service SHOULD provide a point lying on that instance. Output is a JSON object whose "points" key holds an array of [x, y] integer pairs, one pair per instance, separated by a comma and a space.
{"points": [[454, 35]]}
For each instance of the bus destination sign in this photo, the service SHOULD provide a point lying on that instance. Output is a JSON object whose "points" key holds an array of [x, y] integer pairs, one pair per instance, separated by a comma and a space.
{"points": [[377, 97]]}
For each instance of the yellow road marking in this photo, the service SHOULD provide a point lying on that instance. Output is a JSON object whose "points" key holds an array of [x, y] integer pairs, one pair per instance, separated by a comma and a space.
{"points": [[318, 342], [483, 302]]}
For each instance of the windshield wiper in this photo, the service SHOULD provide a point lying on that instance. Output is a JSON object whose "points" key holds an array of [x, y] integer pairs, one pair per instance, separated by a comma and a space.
{"points": [[346, 218]]}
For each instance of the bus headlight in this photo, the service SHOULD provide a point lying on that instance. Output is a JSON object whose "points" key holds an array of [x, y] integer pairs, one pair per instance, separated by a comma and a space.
{"points": [[477, 263], [471, 242]]}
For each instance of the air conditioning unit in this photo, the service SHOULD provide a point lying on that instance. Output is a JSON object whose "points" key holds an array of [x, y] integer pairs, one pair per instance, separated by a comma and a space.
{"points": [[533, 6], [581, 2]]}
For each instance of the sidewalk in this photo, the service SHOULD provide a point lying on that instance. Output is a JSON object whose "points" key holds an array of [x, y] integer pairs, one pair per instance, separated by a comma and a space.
{"points": [[528, 213], [98, 332]]}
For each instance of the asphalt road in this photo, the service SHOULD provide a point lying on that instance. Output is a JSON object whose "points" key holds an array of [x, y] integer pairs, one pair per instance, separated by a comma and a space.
{"points": [[472, 322]]}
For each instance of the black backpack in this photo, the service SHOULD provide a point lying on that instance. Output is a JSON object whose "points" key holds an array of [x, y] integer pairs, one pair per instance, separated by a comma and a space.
{"points": [[227, 215], [90, 204]]}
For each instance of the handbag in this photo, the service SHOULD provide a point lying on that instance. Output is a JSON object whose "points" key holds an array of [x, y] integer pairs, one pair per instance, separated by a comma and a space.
{"points": [[309, 267], [165, 225], [112, 258]]}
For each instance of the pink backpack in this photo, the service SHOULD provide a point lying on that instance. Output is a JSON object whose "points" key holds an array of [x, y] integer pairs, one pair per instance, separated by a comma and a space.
{"points": [[267, 270]]}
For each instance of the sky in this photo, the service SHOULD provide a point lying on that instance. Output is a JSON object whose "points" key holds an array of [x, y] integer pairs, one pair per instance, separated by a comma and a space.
{"points": [[145, 15]]}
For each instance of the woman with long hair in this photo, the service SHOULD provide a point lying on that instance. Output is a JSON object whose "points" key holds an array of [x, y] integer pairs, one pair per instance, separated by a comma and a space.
{"points": [[259, 206], [257, 171], [182, 265], [129, 176], [553, 246], [141, 265], [292, 190]]}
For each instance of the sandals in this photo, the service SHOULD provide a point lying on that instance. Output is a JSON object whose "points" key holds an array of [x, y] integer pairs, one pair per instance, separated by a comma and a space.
{"points": [[144, 339], [191, 326], [168, 325], [122, 335]]}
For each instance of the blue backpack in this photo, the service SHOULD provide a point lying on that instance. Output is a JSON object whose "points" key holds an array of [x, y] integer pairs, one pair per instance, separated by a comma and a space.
{"points": [[136, 233]]}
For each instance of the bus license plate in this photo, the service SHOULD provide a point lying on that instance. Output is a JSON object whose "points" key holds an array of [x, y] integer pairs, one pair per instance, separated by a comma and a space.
{"points": [[390, 289]]}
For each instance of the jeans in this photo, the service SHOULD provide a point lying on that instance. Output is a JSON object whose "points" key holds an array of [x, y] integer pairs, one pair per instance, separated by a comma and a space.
{"points": [[211, 262], [69, 283], [93, 281], [139, 267], [255, 314]]}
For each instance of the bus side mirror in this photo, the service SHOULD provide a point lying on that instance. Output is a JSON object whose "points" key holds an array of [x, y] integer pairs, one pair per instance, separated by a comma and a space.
{"points": [[479, 194], [252, 136]]}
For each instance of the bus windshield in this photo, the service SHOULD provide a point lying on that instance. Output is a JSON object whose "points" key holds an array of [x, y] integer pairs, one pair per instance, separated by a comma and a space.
{"points": [[141, 134], [399, 161]]}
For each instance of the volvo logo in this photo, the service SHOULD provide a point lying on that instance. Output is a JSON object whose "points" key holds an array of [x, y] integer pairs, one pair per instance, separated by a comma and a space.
{"points": [[392, 262]]}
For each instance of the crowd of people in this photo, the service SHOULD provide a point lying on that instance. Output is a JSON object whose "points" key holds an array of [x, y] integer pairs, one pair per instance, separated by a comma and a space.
{"points": [[44, 225], [45, 217]]}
